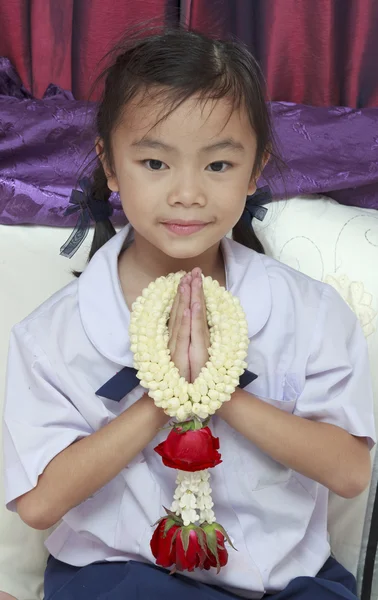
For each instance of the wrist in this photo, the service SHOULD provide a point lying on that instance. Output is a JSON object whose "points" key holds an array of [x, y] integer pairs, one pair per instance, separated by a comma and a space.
{"points": [[156, 414], [224, 410], [236, 403]]}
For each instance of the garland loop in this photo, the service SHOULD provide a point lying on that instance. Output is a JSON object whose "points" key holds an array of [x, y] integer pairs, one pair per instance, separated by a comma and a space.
{"points": [[157, 373]]}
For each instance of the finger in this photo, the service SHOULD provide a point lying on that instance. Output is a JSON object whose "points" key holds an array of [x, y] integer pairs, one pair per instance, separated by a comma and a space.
{"points": [[183, 303], [197, 272], [172, 316], [197, 277], [183, 337], [197, 333], [198, 350], [203, 304], [199, 296], [196, 296], [188, 279], [173, 312]]}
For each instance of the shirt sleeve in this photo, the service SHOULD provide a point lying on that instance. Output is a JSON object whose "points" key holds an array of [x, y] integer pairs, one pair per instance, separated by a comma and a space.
{"points": [[39, 420], [338, 387]]}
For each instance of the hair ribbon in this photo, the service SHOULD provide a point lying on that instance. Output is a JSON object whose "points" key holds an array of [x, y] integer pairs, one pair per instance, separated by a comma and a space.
{"points": [[89, 208], [254, 205]]}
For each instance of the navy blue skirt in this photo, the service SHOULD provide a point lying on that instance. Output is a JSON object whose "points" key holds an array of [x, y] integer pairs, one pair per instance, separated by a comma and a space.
{"points": [[137, 581]]}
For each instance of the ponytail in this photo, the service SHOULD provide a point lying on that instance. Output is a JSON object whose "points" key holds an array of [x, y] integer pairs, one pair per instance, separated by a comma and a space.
{"points": [[243, 233], [99, 192]]}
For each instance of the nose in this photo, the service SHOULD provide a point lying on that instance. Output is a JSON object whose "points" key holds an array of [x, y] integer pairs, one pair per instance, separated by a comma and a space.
{"points": [[187, 191]]}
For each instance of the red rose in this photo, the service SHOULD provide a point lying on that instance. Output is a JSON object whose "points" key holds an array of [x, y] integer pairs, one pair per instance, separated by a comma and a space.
{"points": [[190, 450], [217, 555], [184, 547], [191, 547], [162, 543], [189, 553]]}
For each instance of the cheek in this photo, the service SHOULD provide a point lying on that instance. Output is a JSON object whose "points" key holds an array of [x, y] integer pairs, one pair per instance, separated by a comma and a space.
{"points": [[136, 195], [232, 204], [138, 182]]}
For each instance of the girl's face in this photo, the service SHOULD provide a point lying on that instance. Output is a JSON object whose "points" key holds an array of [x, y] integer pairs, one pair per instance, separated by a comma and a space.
{"points": [[183, 182]]}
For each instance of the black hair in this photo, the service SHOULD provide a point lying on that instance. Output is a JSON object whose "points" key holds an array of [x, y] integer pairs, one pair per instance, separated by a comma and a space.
{"points": [[173, 65]]}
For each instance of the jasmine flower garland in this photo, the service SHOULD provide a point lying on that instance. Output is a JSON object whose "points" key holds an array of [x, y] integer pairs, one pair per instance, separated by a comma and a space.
{"points": [[149, 343], [189, 404]]}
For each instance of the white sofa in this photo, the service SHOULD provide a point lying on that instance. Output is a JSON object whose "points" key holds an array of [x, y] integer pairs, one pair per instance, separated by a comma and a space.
{"points": [[316, 235]]}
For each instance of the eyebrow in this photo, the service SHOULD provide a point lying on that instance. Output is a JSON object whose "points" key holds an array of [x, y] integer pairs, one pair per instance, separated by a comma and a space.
{"points": [[226, 144]]}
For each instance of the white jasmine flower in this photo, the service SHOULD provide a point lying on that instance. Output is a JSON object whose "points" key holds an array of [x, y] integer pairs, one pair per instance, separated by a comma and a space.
{"points": [[205, 502], [188, 500], [204, 488], [189, 516], [207, 515]]}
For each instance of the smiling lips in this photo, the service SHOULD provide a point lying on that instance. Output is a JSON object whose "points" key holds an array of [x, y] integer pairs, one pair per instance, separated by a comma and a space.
{"points": [[180, 227]]}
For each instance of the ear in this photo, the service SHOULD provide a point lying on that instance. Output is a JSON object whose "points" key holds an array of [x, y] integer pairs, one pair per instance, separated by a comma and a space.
{"points": [[252, 187], [110, 175]]}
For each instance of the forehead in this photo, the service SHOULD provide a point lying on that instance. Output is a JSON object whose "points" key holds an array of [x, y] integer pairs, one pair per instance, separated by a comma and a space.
{"points": [[197, 119]]}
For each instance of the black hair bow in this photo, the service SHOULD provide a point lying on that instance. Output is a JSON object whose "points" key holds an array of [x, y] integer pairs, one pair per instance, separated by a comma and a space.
{"points": [[254, 204], [89, 208]]}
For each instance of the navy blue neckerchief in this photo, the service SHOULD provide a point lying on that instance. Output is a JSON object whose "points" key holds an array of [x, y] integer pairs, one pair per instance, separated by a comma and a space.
{"points": [[126, 380]]}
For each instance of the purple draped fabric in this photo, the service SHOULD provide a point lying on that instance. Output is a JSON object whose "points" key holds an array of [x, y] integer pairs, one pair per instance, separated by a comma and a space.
{"points": [[45, 143]]}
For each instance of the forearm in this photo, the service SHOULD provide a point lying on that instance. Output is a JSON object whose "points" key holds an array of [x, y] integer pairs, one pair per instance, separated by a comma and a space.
{"points": [[322, 452], [87, 465]]}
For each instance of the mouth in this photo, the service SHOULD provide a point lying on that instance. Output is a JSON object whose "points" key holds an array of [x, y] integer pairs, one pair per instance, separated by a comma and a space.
{"points": [[181, 227]]}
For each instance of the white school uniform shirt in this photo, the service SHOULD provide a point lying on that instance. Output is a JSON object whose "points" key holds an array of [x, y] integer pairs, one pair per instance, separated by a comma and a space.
{"points": [[309, 353]]}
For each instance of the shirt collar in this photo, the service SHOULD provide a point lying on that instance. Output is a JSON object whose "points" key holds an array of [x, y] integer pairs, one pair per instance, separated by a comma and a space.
{"points": [[103, 310], [106, 317], [247, 278]]}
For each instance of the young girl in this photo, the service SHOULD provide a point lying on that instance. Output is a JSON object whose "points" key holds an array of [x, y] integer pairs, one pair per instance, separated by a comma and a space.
{"points": [[184, 133]]}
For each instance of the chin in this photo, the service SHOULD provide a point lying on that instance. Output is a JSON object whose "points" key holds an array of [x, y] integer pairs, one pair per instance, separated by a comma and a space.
{"points": [[183, 253], [184, 248]]}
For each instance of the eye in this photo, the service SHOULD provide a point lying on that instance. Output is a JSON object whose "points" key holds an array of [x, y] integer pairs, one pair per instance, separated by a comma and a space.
{"points": [[218, 167], [154, 165]]}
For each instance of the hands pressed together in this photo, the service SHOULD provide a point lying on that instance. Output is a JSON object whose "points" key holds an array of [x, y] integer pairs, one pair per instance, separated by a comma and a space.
{"points": [[189, 337]]}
